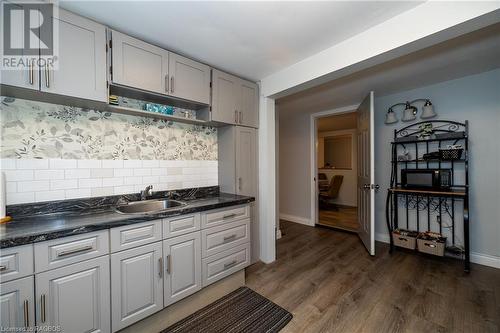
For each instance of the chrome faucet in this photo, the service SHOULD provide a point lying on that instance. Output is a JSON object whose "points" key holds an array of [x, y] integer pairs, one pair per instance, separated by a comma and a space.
{"points": [[147, 192]]}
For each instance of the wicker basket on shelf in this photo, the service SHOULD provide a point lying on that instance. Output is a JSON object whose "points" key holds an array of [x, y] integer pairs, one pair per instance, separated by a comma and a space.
{"points": [[431, 243]]}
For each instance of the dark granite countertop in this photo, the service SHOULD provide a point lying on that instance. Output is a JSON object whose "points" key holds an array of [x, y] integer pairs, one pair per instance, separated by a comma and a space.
{"points": [[38, 228]]}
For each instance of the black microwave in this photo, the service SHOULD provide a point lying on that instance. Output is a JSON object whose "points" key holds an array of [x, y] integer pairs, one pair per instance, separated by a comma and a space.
{"points": [[426, 178]]}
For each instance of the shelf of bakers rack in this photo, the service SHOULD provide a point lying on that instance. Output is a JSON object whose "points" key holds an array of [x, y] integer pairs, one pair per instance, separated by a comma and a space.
{"points": [[455, 192]]}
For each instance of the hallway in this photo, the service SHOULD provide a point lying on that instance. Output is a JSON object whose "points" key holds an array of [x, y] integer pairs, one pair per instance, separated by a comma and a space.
{"points": [[330, 284]]}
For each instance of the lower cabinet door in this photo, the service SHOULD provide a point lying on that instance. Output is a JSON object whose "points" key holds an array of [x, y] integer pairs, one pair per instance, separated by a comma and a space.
{"points": [[182, 266], [17, 304], [137, 284], [75, 297]]}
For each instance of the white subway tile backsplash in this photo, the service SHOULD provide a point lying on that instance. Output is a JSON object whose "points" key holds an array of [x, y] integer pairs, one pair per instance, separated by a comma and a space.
{"points": [[32, 186], [63, 184], [76, 173], [132, 164], [102, 173], [32, 164], [112, 163], [89, 182], [115, 181], [7, 164], [62, 164], [142, 172], [35, 181], [49, 195], [123, 172], [89, 164], [18, 175], [48, 174]]}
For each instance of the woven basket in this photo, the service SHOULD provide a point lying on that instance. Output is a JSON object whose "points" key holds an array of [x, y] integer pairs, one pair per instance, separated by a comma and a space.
{"points": [[405, 238], [450, 154], [431, 243]]}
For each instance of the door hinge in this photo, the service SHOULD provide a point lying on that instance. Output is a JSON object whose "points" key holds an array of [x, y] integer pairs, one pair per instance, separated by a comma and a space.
{"points": [[110, 43], [106, 48], [111, 70], [210, 84]]}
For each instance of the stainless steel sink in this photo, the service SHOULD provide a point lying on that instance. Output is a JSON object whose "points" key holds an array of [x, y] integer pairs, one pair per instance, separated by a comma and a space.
{"points": [[149, 206]]}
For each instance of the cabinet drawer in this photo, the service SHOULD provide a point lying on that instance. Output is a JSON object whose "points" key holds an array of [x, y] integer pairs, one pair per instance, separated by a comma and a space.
{"points": [[180, 225], [68, 250], [134, 235], [217, 239], [224, 215], [16, 262], [225, 263]]}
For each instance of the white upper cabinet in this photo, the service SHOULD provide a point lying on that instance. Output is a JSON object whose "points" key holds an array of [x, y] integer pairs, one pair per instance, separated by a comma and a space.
{"points": [[189, 79], [248, 106], [225, 92], [138, 64], [182, 266], [81, 64], [27, 76], [246, 161], [234, 101], [76, 297]]}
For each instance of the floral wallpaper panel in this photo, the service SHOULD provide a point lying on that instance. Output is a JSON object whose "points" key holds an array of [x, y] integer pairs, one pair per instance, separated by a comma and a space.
{"points": [[40, 130]]}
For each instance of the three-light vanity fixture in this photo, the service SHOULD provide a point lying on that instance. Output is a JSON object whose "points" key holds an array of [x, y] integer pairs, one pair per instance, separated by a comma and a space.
{"points": [[410, 111]]}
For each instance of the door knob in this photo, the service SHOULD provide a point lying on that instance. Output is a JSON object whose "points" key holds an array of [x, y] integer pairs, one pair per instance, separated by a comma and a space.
{"points": [[366, 186], [375, 186]]}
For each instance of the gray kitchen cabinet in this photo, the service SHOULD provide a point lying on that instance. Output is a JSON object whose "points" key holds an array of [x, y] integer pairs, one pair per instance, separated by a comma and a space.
{"points": [[17, 303], [234, 101], [225, 92], [81, 64], [138, 64], [137, 288], [238, 157], [189, 79], [249, 104], [26, 76], [182, 266], [75, 297]]}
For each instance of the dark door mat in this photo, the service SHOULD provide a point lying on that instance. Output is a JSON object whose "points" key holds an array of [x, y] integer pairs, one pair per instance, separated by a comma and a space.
{"points": [[243, 310]]}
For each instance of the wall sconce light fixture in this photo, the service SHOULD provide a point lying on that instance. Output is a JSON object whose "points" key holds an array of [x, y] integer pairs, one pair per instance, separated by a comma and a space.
{"points": [[410, 111]]}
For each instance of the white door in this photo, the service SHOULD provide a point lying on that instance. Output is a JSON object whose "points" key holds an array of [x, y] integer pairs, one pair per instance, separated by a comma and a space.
{"points": [[225, 97], [25, 76], [366, 174], [81, 63], [76, 297], [138, 64], [17, 306], [249, 101], [182, 266], [189, 79], [246, 161], [137, 288]]}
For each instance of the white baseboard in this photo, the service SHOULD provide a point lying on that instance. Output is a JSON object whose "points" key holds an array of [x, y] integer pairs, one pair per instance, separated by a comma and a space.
{"points": [[477, 258], [296, 219]]}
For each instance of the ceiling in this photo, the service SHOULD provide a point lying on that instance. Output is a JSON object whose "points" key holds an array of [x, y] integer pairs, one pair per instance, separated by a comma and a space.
{"points": [[469, 54], [337, 122], [250, 39]]}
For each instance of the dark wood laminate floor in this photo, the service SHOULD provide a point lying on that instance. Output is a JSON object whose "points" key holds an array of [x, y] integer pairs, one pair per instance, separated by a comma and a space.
{"points": [[345, 218], [330, 284]]}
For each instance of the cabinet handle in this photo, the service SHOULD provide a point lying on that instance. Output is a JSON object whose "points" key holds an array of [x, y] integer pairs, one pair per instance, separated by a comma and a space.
{"points": [[26, 314], [229, 216], [229, 238], [169, 263], [30, 67], [160, 263], [43, 314], [172, 84], [69, 252], [239, 183], [236, 116], [230, 264], [3, 268], [241, 118], [166, 83], [47, 78]]}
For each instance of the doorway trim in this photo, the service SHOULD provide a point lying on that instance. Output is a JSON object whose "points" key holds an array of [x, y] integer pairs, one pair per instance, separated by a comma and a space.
{"points": [[314, 154]]}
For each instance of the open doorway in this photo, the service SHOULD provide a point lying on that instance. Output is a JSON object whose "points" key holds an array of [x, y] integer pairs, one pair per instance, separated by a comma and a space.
{"points": [[337, 164]]}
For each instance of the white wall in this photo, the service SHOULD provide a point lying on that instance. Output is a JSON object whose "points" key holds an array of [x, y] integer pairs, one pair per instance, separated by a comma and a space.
{"points": [[476, 98], [348, 191]]}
